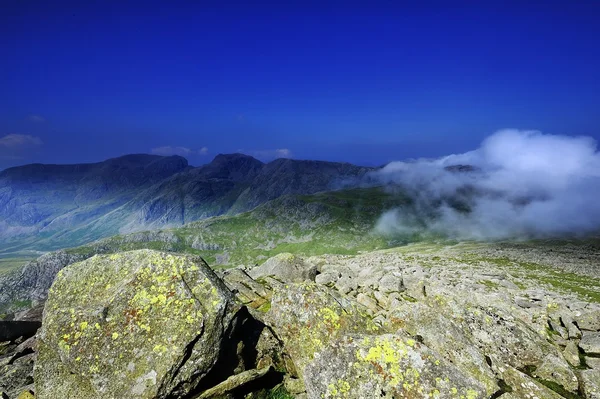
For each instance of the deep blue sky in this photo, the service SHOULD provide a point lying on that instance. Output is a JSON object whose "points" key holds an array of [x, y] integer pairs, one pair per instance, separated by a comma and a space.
{"points": [[362, 82]]}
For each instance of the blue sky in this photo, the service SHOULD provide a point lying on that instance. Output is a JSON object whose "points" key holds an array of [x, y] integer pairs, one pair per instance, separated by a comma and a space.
{"points": [[363, 82]]}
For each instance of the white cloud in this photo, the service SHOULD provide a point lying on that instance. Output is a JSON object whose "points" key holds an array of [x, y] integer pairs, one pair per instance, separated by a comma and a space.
{"points": [[203, 151], [19, 141], [37, 118], [522, 184]]}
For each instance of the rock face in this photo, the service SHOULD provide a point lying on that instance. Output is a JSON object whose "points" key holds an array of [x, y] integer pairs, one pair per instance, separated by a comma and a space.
{"points": [[140, 324], [33, 281]]}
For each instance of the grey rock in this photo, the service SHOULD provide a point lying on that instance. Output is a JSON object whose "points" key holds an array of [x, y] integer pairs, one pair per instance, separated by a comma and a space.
{"points": [[287, 267], [524, 386], [447, 338], [527, 303], [571, 354], [368, 302], [590, 384], [32, 282], [559, 329], [590, 343], [294, 386], [555, 369], [327, 278], [234, 382], [391, 283], [413, 279], [307, 317], [16, 375], [593, 362], [589, 320]]}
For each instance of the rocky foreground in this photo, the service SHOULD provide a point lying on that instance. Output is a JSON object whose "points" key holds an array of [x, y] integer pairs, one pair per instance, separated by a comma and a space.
{"points": [[146, 324]]}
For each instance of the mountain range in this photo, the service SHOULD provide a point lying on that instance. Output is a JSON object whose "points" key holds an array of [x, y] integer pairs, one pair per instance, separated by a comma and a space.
{"points": [[46, 207]]}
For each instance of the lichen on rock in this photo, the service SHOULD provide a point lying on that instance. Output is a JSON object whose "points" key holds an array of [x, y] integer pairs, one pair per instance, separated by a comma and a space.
{"points": [[307, 317], [138, 324], [387, 366]]}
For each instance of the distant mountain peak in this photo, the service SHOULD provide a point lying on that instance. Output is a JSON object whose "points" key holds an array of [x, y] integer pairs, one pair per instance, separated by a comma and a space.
{"points": [[235, 167], [233, 157]]}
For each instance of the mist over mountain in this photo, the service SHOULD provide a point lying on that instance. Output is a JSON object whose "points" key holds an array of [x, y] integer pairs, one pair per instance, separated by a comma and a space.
{"points": [[518, 184]]}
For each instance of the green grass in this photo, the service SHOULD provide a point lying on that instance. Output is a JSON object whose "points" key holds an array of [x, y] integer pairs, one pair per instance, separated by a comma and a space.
{"points": [[339, 222], [490, 284], [9, 264], [586, 287], [279, 392]]}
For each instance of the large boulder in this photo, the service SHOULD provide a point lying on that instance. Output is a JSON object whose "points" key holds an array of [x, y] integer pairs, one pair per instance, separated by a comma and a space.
{"points": [[307, 317], [140, 324], [386, 366], [287, 267]]}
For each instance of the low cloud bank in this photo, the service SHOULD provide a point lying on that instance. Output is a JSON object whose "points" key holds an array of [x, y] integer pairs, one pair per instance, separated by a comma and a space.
{"points": [[517, 184]]}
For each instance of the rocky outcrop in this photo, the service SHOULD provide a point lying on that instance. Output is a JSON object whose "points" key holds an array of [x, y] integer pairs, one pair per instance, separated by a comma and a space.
{"points": [[390, 365], [402, 326], [287, 267], [32, 282], [384, 324]]}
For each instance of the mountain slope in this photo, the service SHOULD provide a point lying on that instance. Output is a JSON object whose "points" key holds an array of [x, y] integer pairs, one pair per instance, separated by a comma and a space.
{"points": [[42, 199], [46, 207], [325, 223], [328, 222]]}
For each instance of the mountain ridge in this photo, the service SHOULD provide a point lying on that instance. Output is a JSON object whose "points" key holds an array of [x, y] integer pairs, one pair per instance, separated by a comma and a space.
{"points": [[46, 207]]}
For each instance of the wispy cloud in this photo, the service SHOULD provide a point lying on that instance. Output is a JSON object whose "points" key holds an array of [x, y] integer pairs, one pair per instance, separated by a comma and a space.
{"points": [[19, 141], [182, 151], [17, 147], [36, 118]]}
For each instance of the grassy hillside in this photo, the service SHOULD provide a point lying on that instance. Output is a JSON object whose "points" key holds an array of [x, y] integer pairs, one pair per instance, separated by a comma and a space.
{"points": [[336, 222], [9, 264]]}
